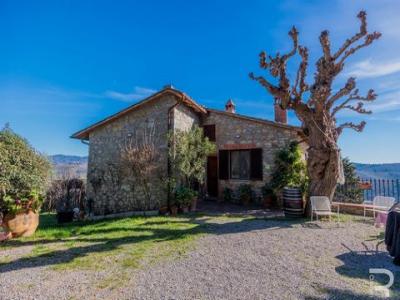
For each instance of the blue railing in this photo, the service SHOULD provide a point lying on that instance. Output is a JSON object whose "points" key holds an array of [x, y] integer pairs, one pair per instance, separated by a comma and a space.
{"points": [[366, 189], [381, 187]]}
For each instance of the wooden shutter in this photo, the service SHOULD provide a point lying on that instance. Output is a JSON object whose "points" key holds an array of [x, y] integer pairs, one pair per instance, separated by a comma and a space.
{"points": [[209, 131], [256, 164], [223, 167]]}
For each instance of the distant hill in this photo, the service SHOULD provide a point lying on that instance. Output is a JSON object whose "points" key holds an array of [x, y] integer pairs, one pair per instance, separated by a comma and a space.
{"points": [[376, 171], [76, 166], [69, 166]]}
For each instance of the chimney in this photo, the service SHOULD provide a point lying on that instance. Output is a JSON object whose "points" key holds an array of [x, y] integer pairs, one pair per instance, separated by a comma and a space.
{"points": [[230, 106], [280, 114], [168, 86]]}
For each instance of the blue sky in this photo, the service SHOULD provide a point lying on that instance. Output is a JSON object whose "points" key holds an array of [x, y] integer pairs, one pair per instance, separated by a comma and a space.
{"points": [[67, 64]]}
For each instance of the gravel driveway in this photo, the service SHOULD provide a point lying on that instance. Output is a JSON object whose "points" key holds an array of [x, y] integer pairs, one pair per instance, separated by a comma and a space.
{"points": [[238, 259]]}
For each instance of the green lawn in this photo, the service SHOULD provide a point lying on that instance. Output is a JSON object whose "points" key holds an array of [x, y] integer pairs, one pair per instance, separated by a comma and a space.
{"points": [[111, 250], [121, 244], [124, 243]]}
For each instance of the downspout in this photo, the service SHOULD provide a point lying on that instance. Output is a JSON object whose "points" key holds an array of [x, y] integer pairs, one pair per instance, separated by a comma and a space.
{"points": [[170, 120], [85, 142]]}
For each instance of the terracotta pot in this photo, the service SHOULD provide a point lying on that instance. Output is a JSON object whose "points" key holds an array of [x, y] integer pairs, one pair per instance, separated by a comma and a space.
{"points": [[174, 210], [21, 224], [193, 205], [267, 203], [246, 201], [163, 210], [364, 185]]}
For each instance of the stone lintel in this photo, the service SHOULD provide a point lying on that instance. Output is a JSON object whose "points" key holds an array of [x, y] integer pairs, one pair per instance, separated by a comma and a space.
{"points": [[238, 146]]}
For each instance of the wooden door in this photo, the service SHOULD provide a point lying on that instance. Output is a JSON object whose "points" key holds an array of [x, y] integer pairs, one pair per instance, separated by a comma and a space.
{"points": [[212, 176]]}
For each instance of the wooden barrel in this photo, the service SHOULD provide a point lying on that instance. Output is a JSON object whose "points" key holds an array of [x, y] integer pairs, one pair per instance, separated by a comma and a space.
{"points": [[293, 202]]}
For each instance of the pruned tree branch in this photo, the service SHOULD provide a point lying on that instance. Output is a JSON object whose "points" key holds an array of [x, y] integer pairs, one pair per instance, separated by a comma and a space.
{"points": [[300, 85], [368, 40], [362, 15], [357, 127], [371, 96], [277, 68], [349, 86], [294, 34], [325, 44], [274, 90]]}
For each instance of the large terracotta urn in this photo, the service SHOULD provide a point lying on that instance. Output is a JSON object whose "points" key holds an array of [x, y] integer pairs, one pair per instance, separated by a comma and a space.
{"points": [[21, 224]]}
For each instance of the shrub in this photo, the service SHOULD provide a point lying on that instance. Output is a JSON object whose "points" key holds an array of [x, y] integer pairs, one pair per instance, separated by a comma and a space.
{"points": [[188, 156], [23, 170], [269, 197], [290, 169], [23, 203], [267, 190], [228, 195], [184, 196], [245, 193], [65, 195], [350, 191]]}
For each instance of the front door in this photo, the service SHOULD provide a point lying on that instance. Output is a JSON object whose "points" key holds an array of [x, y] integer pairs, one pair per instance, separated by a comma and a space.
{"points": [[212, 176]]}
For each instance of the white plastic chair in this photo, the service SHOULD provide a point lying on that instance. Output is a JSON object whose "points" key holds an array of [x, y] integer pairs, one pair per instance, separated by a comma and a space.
{"points": [[320, 206], [383, 204]]}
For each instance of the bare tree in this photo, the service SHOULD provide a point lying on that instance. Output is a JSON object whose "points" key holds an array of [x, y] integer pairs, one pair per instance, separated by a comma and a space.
{"points": [[316, 105], [140, 155]]}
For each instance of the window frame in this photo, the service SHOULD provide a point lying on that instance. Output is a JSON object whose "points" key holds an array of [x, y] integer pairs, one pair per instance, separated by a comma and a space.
{"points": [[209, 131], [241, 153], [255, 171]]}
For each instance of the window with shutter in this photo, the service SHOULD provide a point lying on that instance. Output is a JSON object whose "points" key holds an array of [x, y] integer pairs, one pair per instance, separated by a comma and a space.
{"points": [[256, 164], [223, 167], [241, 164], [209, 131]]}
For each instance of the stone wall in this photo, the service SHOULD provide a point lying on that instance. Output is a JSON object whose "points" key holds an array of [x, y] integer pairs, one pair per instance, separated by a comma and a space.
{"points": [[110, 184], [184, 118], [113, 189], [233, 132]]}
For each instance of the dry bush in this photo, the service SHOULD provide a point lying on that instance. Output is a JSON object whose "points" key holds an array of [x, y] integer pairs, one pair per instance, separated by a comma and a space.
{"points": [[65, 195]]}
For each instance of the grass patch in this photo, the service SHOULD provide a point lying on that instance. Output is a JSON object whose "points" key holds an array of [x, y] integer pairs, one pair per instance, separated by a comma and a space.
{"points": [[123, 244]]}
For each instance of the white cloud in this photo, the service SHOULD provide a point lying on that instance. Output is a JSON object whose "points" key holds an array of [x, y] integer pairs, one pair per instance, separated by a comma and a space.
{"points": [[386, 102], [391, 119], [137, 94], [366, 68]]}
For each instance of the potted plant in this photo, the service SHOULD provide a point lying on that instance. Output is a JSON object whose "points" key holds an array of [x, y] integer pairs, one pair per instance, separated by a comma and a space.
{"points": [[65, 213], [268, 196], [228, 195], [184, 197], [245, 194], [163, 210], [21, 213], [193, 203], [174, 209]]}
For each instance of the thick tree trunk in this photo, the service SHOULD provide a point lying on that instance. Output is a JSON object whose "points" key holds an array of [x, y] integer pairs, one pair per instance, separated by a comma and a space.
{"points": [[322, 164]]}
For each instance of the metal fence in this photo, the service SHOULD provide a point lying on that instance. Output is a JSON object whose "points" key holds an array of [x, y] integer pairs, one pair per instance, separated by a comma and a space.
{"points": [[367, 188], [381, 187]]}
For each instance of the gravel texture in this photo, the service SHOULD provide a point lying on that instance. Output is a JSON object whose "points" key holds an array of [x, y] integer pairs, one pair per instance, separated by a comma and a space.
{"points": [[238, 259]]}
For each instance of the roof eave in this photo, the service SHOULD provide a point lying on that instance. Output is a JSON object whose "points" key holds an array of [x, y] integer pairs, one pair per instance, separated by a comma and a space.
{"points": [[84, 133], [258, 120]]}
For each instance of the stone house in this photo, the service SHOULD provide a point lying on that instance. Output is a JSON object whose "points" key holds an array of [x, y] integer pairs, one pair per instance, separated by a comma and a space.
{"points": [[245, 149]]}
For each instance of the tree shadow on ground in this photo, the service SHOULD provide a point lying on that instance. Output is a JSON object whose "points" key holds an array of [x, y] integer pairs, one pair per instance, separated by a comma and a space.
{"points": [[357, 264], [99, 239], [338, 294], [100, 246]]}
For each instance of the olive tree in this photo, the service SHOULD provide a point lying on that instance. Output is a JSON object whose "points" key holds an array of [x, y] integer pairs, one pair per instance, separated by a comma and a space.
{"points": [[188, 155], [22, 168]]}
